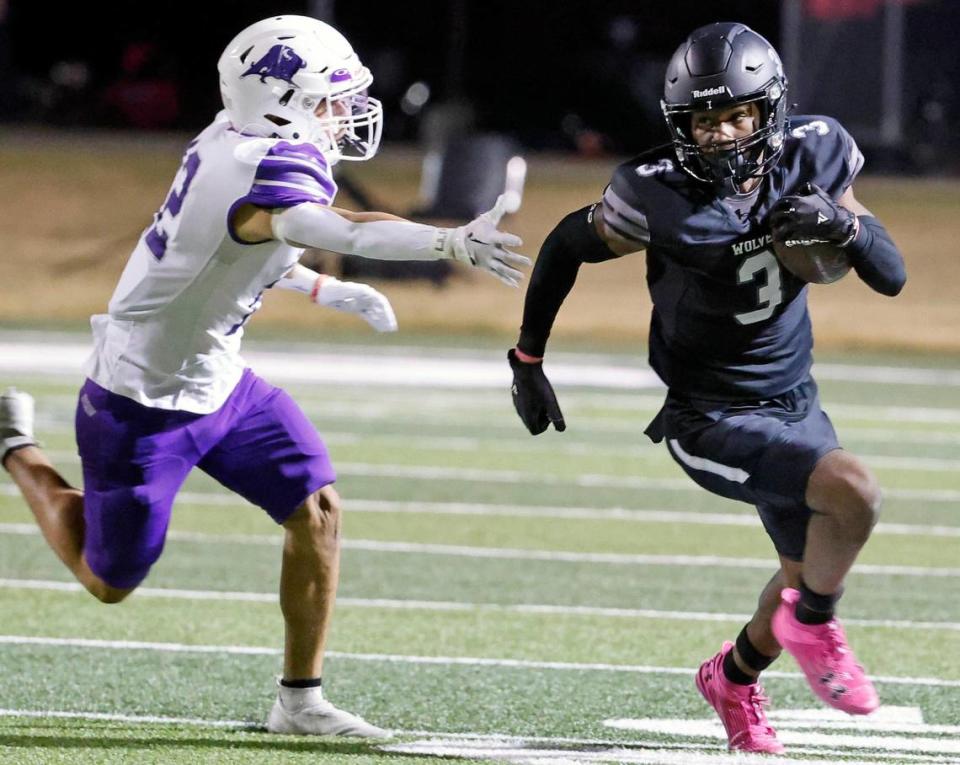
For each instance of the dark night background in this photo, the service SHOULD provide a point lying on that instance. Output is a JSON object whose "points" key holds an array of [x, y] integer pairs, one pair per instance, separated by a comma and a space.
{"points": [[575, 75]]}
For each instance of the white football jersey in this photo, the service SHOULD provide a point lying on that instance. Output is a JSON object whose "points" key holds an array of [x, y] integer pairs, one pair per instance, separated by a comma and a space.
{"points": [[171, 336]]}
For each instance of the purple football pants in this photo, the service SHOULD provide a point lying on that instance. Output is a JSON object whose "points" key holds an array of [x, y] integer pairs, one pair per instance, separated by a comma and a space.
{"points": [[135, 458]]}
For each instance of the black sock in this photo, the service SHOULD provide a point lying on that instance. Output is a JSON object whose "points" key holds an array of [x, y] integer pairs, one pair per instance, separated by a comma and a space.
{"points": [[733, 673], [814, 608], [750, 656], [309, 682]]}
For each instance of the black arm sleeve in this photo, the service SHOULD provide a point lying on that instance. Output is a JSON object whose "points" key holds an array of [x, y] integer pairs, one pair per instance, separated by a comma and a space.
{"points": [[573, 241], [876, 258]]}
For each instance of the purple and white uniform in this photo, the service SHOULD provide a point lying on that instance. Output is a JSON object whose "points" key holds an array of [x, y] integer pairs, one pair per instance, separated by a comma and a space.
{"points": [[167, 389], [171, 337]]}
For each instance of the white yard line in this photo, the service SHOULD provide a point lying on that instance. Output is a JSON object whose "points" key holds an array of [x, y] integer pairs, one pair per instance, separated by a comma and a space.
{"points": [[515, 749], [466, 606], [562, 556], [638, 515], [589, 480], [468, 661], [638, 483], [553, 512]]}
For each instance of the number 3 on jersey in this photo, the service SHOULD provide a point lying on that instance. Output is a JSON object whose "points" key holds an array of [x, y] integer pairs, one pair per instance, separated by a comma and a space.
{"points": [[769, 288], [158, 233]]}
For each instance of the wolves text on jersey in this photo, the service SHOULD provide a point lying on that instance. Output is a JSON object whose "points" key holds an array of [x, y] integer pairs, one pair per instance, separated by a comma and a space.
{"points": [[750, 245]]}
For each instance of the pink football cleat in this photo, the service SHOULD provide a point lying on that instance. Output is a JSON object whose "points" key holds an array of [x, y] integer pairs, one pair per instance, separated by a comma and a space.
{"points": [[740, 707], [825, 657]]}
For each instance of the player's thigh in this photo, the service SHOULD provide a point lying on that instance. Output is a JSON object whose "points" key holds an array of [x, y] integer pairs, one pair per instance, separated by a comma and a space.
{"points": [[766, 459], [134, 460], [760, 456], [272, 455]]}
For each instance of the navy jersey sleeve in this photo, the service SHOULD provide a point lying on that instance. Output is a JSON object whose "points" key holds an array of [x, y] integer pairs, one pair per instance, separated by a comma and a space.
{"points": [[291, 174], [828, 154], [623, 209]]}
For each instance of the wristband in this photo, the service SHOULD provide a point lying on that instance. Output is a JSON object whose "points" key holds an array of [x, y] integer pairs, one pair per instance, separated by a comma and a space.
{"points": [[526, 358]]}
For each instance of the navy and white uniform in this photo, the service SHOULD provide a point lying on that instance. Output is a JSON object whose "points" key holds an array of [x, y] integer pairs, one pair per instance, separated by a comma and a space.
{"points": [[730, 333]]}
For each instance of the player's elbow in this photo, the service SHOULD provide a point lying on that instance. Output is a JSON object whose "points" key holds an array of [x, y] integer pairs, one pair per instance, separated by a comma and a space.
{"points": [[894, 284]]}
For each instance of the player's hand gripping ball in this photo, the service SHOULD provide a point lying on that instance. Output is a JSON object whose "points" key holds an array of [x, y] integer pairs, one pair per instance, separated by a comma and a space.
{"points": [[810, 231]]}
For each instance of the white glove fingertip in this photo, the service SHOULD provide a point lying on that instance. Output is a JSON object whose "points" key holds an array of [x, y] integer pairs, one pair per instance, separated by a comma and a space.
{"points": [[514, 258]]}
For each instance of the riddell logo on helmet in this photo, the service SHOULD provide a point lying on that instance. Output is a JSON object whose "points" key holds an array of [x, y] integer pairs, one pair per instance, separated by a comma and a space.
{"points": [[711, 91]]}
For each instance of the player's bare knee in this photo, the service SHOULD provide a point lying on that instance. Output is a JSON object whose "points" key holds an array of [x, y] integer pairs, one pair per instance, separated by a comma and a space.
{"points": [[855, 497], [107, 594], [317, 520]]}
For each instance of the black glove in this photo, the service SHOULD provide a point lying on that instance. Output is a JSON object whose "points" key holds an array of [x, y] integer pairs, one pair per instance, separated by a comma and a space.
{"points": [[533, 396], [812, 216]]}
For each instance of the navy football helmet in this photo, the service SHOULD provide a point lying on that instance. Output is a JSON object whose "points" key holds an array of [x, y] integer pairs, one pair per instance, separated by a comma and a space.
{"points": [[719, 66]]}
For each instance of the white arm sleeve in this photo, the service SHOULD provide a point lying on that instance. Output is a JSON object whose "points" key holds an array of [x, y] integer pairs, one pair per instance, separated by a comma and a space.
{"points": [[311, 225]]}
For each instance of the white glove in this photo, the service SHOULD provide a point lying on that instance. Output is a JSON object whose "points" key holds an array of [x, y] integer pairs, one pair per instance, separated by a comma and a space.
{"points": [[480, 244], [352, 297]]}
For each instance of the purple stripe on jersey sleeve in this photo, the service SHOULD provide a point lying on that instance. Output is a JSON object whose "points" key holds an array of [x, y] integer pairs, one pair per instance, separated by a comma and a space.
{"points": [[291, 174]]}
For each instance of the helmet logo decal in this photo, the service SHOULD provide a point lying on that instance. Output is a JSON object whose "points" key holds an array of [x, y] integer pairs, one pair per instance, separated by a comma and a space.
{"points": [[711, 92], [341, 75], [280, 62]]}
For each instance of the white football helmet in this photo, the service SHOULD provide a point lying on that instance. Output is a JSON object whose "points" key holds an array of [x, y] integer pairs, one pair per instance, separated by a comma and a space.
{"points": [[296, 78]]}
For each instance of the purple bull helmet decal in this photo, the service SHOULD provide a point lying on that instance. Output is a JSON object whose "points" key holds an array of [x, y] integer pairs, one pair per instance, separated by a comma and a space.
{"points": [[280, 62]]}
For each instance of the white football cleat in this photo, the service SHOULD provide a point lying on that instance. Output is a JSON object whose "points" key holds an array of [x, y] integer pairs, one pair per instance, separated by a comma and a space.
{"points": [[304, 711], [16, 421]]}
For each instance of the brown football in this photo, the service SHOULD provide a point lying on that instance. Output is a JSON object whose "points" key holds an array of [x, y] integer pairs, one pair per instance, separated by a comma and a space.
{"points": [[813, 261]]}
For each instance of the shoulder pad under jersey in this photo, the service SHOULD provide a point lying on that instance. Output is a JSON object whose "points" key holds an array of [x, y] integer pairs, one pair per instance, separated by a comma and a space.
{"points": [[287, 173], [644, 195], [818, 149]]}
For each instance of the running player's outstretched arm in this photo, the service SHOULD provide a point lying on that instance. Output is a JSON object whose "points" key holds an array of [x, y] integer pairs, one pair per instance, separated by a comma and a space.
{"points": [[386, 237], [581, 237]]}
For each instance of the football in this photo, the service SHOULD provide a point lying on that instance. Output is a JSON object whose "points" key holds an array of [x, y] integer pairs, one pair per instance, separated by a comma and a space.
{"points": [[816, 262]]}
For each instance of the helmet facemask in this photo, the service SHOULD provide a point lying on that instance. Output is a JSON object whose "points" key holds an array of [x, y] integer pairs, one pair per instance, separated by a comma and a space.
{"points": [[344, 122], [735, 161], [349, 124]]}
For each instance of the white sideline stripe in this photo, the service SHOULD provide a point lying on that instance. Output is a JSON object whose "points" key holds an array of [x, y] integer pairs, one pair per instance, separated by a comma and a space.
{"points": [[471, 661], [563, 556], [49, 352], [462, 606], [708, 466]]}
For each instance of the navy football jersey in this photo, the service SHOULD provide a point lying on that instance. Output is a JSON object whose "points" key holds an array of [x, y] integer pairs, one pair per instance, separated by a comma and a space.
{"points": [[728, 322]]}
